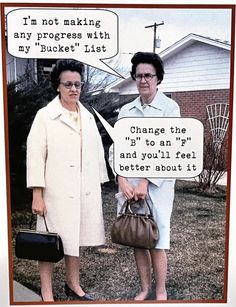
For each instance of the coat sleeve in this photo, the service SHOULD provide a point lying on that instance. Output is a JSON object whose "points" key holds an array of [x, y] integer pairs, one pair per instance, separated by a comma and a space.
{"points": [[36, 153], [172, 110]]}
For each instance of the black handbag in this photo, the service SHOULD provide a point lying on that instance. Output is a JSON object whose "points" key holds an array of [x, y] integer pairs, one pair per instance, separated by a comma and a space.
{"points": [[38, 245], [135, 228]]}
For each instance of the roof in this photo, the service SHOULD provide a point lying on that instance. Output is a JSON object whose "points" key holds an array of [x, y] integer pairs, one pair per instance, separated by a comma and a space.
{"points": [[170, 51], [188, 40]]}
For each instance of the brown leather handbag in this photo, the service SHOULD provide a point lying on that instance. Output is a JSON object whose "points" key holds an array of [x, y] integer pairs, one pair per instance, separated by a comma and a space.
{"points": [[135, 225]]}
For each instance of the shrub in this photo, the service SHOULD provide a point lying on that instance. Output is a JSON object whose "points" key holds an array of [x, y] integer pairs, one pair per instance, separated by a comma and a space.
{"points": [[25, 98], [214, 166]]}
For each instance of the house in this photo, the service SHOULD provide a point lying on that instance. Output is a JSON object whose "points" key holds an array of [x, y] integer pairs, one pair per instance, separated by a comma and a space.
{"points": [[197, 73], [197, 76]]}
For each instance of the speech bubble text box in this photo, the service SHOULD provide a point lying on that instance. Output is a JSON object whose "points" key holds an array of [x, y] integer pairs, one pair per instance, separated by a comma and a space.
{"points": [[87, 35], [157, 147]]}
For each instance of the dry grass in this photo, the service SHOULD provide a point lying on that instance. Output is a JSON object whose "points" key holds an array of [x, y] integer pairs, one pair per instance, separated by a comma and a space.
{"points": [[196, 265]]}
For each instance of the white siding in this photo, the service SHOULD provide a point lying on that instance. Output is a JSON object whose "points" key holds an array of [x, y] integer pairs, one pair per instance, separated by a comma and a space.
{"points": [[197, 67]]}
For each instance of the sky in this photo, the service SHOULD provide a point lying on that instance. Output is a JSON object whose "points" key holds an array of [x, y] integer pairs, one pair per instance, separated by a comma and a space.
{"points": [[133, 36], [177, 24]]}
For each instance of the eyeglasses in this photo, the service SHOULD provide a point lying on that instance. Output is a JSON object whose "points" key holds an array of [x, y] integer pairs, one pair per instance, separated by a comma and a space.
{"points": [[147, 77], [69, 84]]}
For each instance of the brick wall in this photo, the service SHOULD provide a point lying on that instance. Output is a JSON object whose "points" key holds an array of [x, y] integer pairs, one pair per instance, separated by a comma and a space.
{"points": [[193, 104]]}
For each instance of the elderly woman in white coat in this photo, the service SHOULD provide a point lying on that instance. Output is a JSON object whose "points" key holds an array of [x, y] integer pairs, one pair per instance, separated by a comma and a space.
{"points": [[148, 72], [65, 167]]}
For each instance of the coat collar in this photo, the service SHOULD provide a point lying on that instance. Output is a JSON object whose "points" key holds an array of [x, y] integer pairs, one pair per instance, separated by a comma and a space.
{"points": [[157, 103], [55, 110]]}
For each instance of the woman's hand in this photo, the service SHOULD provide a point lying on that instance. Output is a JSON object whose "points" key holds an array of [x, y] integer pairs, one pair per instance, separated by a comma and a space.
{"points": [[38, 204], [126, 188], [140, 191]]}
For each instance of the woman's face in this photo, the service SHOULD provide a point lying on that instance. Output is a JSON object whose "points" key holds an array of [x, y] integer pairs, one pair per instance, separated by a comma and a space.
{"points": [[70, 93], [147, 88]]}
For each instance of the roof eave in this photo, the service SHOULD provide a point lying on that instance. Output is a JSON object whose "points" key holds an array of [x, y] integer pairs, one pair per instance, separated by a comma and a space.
{"points": [[188, 40]]}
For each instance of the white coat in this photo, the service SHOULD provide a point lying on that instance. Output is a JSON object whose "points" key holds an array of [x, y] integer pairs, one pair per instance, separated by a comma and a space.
{"points": [[161, 191], [68, 163]]}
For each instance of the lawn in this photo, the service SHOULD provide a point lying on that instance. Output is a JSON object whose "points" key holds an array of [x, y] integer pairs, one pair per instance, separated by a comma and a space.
{"points": [[196, 260]]}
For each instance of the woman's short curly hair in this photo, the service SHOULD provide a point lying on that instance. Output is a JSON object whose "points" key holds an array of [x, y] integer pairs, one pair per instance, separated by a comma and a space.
{"points": [[149, 58], [63, 65]]}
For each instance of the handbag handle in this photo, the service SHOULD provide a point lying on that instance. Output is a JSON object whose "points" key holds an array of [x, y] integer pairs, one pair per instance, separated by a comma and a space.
{"points": [[145, 202], [127, 204], [31, 222]]}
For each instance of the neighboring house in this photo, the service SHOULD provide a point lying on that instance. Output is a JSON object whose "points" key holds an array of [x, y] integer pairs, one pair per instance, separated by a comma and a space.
{"points": [[16, 67], [197, 74]]}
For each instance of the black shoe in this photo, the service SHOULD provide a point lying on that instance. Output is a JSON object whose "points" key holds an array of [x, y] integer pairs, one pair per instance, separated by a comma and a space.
{"points": [[70, 293]]}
